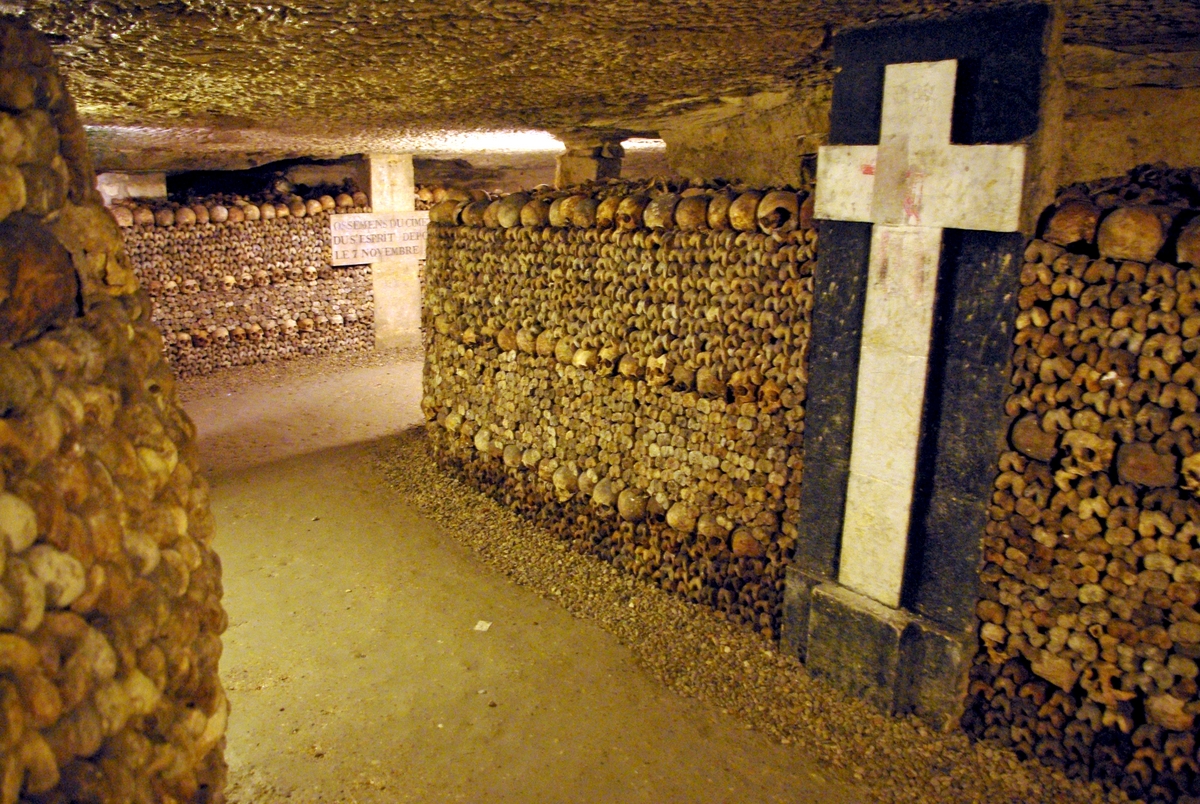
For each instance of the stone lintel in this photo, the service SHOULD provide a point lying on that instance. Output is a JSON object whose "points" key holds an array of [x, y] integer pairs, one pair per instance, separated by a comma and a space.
{"points": [[898, 661]]}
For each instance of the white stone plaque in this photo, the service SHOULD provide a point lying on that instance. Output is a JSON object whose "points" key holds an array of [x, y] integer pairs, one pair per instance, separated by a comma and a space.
{"points": [[369, 237]]}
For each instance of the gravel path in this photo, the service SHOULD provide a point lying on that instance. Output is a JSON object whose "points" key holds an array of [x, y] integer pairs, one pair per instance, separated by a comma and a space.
{"points": [[697, 654]]}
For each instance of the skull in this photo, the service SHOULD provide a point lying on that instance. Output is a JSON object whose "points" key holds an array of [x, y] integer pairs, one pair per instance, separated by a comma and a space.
{"points": [[295, 273], [221, 335], [191, 286], [527, 340], [709, 382], [768, 397], [546, 343], [351, 316], [238, 335], [566, 482], [511, 456], [209, 283], [584, 359], [278, 273], [254, 332], [684, 378], [262, 279], [531, 457], [321, 322], [742, 386], [659, 370], [631, 505], [170, 287], [310, 273], [587, 482], [682, 517], [200, 337], [778, 212], [306, 325], [336, 319], [629, 367], [246, 280], [564, 351], [1089, 453], [1191, 473], [607, 359], [630, 211], [183, 339], [289, 327], [270, 328], [604, 493], [229, 282]]}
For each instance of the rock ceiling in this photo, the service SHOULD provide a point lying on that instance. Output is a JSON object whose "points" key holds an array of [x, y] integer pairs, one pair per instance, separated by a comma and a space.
{"points": [[179, 77]]}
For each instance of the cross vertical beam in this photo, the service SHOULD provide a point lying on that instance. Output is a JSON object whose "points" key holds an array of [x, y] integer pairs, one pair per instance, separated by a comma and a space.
{"points": [[911, 186]]}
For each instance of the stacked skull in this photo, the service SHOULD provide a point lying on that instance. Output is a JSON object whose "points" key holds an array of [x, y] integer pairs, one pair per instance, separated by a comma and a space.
{"points": [[629, 370], [1090, 627], [110, 593], [248, 292]]}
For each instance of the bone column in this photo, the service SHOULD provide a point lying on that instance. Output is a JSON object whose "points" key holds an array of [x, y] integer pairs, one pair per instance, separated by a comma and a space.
{"points": [[911, 186], [589, 157], [396, 282]]}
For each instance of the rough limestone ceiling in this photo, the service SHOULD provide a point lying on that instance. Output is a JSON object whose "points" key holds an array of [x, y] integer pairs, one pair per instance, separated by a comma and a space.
{"points": [[355, 74]]}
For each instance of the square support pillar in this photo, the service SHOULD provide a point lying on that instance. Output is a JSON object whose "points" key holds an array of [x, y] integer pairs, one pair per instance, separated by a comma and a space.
{"points": [[396, 282], [909, 650], [589, 157]]}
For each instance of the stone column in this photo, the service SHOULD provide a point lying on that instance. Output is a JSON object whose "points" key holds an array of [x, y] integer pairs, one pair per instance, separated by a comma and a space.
{"points": [[396, 282], [589, 157], [883, 604]]}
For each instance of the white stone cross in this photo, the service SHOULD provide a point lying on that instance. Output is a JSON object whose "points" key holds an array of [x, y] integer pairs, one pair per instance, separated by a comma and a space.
{"points": [[911, 186]]}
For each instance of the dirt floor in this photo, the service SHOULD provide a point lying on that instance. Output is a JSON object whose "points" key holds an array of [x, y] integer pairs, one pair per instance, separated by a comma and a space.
{"points": [[371, 657]]}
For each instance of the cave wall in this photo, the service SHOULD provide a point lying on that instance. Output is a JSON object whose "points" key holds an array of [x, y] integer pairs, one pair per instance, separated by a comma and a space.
{"points": [[640, 392], [1123, 108], [110, 612], [1090, 631], [251, 292]]}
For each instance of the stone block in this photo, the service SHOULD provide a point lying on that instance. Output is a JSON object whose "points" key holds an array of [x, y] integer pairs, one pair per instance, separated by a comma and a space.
{"points": [[854, 643], [898, 661], [934, 664], [797, 600]]}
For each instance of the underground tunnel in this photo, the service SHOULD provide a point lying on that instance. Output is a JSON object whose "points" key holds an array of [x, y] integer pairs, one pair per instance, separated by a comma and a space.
{"points": [[541, 402]]}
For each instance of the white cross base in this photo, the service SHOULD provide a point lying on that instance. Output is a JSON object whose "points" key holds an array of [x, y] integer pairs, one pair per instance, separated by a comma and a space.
{"points": [[913, 185]]}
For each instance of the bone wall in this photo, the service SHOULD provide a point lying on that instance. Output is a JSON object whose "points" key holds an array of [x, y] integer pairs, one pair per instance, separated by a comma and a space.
{"points": [[613, 365], [1090, 630], [110, 612], [243, 292]]}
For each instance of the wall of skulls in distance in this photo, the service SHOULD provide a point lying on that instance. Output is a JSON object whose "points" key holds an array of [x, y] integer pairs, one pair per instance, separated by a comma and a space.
{"points": [[242, 292], [1090, 632], [614, 365]]}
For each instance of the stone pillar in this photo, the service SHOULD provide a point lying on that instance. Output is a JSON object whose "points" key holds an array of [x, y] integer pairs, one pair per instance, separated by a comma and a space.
{"points": [[589, 157], [883, 606], [396, 282]]}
